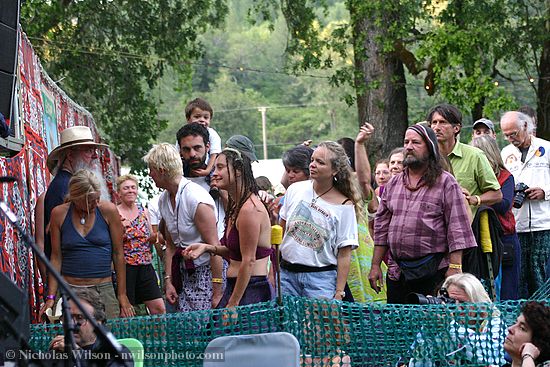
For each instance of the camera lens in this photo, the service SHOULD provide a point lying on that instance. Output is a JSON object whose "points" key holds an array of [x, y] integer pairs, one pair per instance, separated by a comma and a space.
{"points": [[420, 299]]}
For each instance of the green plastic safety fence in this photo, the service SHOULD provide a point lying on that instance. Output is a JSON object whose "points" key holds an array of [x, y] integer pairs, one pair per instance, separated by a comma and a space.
{"points": [[543, 292], [330, 333]]}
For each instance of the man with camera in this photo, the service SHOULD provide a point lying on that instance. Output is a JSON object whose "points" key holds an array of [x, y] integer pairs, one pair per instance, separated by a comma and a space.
{"points": [[422, 220], [527, 158]]}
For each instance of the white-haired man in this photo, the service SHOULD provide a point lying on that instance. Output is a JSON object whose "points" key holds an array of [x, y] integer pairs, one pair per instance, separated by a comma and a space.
{"points": [[77, 150], [528, 159]]}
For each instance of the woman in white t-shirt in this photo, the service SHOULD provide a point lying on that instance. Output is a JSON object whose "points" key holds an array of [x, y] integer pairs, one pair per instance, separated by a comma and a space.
{"points": [[319, 219]]}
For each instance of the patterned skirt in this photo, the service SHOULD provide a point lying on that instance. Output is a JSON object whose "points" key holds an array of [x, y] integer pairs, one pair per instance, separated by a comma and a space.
{"points": [[197, 289]]}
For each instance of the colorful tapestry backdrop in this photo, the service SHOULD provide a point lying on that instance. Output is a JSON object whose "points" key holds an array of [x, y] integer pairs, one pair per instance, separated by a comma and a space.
{"points": [[45, 111]]}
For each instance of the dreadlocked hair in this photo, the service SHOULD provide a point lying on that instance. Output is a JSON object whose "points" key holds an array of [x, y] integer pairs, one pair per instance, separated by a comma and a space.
{"points": [[239, 162], [344, 180]]}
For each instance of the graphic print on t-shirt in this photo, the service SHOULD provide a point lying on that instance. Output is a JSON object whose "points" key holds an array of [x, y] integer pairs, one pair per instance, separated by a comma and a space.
{"points": [[310, 226]]}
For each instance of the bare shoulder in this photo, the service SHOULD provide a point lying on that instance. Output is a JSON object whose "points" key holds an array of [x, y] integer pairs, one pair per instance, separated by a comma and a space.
{"points": [[107, 208], [59, 212], [252, 210], [254, 205]]}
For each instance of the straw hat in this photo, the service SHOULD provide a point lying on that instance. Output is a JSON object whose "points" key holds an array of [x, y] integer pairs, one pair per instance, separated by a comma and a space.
{"points": [[71, 137]]}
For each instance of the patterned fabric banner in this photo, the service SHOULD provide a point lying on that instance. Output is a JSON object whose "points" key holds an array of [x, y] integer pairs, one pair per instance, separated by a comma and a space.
{"points": [[45, 111]]}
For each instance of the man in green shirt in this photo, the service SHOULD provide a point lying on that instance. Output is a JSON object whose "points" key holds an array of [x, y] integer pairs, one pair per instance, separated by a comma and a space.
{"points": [[470, 165]]}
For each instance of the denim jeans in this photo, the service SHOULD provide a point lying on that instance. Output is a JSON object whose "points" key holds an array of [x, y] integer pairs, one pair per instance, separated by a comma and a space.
{"points": [[320, 284]]}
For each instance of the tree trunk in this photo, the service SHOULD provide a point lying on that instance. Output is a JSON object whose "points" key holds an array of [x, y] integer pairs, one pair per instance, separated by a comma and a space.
{"points": [[543, 94], [380, 85], [477, 111]]}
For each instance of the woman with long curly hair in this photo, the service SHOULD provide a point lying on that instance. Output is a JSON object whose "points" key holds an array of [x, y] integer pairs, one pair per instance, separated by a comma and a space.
{"points": [[247, 239], [319, 219]]}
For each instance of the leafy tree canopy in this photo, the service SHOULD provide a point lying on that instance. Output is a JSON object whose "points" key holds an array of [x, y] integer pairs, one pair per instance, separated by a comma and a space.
{"points": [[459, 47], [111, 54]]}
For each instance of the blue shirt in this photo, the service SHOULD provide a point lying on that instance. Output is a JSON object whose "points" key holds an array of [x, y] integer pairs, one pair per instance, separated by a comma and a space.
{"points": [[86, 256], [55, 195]]}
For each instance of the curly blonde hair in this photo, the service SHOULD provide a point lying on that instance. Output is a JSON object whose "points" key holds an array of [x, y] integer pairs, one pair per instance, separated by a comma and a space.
{"points": [[344, 180]]}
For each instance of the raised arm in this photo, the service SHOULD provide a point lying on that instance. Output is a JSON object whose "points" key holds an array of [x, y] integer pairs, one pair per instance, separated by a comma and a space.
{"points": [[362, 165]]}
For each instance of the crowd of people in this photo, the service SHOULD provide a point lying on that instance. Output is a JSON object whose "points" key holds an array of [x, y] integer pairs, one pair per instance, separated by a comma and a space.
{"points": [[348, 235]]}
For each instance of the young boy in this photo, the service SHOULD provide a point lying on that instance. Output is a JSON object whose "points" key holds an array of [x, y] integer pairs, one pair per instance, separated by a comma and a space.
{"points": [[200, 111]]}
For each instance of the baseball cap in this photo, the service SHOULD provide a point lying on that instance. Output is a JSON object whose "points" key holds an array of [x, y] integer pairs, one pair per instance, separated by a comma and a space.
{"points": [[483, 121], [243, 145]]}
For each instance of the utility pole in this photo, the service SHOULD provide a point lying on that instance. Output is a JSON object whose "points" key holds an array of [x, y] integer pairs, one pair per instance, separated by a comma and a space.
{"points": [[263, 110]]}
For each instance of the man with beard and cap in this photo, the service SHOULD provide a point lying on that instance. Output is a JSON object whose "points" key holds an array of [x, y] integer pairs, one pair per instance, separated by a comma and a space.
{"points": [[470, 165], [77, 150], [422, 220], [482, 127]]}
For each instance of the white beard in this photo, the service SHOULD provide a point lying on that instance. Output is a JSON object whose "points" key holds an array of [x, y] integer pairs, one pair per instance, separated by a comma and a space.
{"points": [[94, 168]]}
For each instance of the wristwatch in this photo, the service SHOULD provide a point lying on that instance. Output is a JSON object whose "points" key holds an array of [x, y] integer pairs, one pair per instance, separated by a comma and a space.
{"points": [[340, 293]]}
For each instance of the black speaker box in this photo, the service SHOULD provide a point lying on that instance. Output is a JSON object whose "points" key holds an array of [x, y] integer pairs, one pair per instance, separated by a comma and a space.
{"points": [[14, 316], [9, 21]]}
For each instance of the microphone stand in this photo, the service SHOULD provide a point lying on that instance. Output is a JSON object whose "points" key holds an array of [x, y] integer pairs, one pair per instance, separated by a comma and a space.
{"points": [[68, 325], [69, 328]]}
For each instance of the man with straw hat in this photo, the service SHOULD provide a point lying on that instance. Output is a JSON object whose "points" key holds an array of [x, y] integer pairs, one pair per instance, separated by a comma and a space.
{"points": [[77, 150]]}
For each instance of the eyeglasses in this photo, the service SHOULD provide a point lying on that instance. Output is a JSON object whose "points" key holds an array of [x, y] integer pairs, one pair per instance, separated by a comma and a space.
{"points": [[79, 319], [88, 150], [512, 135]]}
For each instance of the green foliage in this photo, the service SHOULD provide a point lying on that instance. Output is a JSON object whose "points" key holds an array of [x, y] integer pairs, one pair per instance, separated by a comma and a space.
{"points": [[111, 56], [466, 45], [136, 64], [244, 67]]}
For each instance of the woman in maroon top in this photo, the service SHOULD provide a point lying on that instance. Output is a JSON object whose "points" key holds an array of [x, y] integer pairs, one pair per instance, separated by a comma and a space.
{"points": [[247, 239]]}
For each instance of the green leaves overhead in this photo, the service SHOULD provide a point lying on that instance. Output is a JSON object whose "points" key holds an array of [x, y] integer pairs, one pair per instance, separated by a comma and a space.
{"points": [[111, 55]]}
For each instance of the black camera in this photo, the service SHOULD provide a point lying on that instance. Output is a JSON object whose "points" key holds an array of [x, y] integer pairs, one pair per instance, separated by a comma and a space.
{"points": [[519, 194], [420, 299]]}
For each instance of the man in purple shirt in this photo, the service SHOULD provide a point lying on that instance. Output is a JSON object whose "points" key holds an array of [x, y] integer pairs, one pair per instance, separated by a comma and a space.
{"points": [[423, 220]]}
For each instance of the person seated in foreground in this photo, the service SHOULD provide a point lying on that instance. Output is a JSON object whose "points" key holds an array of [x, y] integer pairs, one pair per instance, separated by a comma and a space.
{"points": [[476, 332], [528, 340], [85, 336]]}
